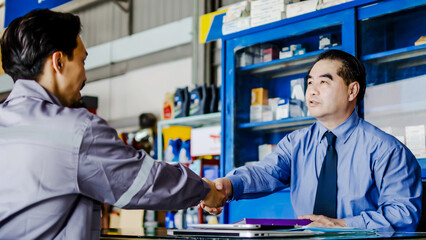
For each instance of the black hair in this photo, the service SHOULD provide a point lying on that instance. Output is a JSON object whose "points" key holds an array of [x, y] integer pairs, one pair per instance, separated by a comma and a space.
{"points": [[352, 69], [30, 39]]}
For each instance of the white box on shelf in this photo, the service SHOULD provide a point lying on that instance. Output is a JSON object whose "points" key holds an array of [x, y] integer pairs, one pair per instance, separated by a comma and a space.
{"points": [[237, 10], [206, 141], [236, 25], [272, 17], [273, 103], [330, 3], [298, 89], [266, 2], [265, 9], [286, 54], [299, 8], [260, 113], [283, 109]]}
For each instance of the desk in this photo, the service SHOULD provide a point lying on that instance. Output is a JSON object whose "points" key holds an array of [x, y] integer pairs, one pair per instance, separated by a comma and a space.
{"points": [[161, 233]]}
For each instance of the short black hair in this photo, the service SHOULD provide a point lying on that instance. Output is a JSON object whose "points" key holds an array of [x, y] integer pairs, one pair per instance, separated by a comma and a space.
{"points": [[30, 39], [352, 69]]}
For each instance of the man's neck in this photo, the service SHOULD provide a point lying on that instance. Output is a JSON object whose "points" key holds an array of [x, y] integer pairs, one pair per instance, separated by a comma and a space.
{"points": [[332, 122]]}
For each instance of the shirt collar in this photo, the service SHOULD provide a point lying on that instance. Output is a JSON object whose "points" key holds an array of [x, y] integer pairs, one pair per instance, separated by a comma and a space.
{"points": [[32, 89], [343, 131]]}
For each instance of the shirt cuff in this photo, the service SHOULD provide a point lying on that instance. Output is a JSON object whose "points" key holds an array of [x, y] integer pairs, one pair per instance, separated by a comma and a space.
{"points": [[237, 186], [355, 222]]}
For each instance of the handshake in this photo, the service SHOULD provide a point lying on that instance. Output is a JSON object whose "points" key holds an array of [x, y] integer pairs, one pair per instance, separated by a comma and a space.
{"points": [[220, 191]]}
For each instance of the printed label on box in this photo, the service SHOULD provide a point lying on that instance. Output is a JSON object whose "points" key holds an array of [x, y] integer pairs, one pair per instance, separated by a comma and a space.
{"points": [[206, 141]]}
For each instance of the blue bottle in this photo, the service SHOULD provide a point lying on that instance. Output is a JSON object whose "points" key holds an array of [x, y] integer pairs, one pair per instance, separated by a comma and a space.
{"points": [[181, 102]]}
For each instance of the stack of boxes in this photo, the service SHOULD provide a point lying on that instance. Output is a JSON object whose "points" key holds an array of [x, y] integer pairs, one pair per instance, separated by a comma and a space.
{"points": [[269, 52], [298, 8], [292, 50], [236, 18], [266, 11], [246, 14], [327, 41], [260, 111], [264, 109]]}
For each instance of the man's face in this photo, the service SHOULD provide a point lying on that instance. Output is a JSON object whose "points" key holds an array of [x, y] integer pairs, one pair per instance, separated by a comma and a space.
{"points": [[327, 95], [74, 76]]}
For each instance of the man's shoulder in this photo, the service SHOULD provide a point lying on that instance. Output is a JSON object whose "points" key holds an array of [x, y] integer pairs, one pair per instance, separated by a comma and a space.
{"points": [[377, 135], [73, 114]]}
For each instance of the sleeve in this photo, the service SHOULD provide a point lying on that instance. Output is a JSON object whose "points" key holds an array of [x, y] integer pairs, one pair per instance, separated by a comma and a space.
{"points": [[265, 177], [398, 178], [111, 172]]}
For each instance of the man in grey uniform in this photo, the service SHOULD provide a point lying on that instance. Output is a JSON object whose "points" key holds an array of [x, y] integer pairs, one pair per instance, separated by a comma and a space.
{"points": [[58, 163]]}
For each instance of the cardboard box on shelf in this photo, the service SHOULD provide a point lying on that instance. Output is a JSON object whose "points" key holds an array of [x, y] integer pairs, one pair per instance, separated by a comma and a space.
{"points": [[237, 10], [283, 109], [299, 8], [298, 89], [420, 41], [273, 103], [286, 54], [272, 17], [259, 96], [327, 40], [259, 8], [269, 53], [260, 113], [206, 141], [236, 25], [329, 3]]}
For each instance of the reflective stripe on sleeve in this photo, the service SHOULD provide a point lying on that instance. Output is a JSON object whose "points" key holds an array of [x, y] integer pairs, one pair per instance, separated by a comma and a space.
{"points": [[137, 184]]}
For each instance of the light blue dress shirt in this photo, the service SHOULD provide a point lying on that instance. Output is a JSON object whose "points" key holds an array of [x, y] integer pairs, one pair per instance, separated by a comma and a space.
{"points": [[378, 178]]}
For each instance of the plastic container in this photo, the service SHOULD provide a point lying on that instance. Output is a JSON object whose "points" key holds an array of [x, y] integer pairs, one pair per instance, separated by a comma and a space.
{"points": [[181, 102]]}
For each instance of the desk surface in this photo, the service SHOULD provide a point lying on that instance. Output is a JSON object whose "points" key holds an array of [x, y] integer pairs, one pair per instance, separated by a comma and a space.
{"points": [[161, 233]]}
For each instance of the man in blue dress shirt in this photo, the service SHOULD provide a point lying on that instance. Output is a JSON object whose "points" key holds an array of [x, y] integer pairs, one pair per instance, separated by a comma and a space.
{"points": [[378, 178], [58, 162]]}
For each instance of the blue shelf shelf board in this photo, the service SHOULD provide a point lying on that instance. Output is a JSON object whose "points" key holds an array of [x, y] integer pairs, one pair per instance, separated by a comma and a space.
{"points": [[386, 7], [296, 121], [285, 60], [394, 52], [422, 162]]}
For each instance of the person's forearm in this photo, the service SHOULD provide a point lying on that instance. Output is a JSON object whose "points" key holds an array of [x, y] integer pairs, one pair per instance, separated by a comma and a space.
{"points": [[396, 219]]}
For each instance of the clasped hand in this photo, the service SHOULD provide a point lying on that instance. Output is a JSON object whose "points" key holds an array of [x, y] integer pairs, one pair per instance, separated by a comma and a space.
{"points": [[221, 190]]}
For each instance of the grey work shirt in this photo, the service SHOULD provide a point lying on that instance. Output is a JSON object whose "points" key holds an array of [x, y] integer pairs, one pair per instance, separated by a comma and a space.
{"points": [[58, 163]]}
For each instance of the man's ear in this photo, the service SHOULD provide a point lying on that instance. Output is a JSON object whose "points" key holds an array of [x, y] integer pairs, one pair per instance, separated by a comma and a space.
{"points": [[58, 61], [353, 90]]}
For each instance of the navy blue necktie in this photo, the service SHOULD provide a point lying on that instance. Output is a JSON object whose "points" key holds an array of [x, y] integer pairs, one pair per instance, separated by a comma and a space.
{"points": [[326, 198]]}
